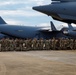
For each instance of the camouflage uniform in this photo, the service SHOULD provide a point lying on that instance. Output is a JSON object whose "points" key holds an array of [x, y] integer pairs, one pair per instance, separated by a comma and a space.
{"points": [[53, 43], [30, 44], [47, 46], [34, 44], [37, 44], [71, 44], [41, 44], [61, 44], [74, 45], [8, 44], [68, 44], [11, 46], [0, 45], [20, 45], [64, 44], [57, 44], [24, 45], [27, 44], [50, 44], [16, 44], [4, 45]]}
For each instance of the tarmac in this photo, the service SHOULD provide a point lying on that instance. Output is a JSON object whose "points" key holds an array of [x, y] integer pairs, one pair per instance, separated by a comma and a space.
{"points": [[38, 63]]}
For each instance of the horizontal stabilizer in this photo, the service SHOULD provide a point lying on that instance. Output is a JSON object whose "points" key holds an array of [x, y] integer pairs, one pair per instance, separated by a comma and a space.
{"points": [[2, 21], [53, 28], [70, 27]]}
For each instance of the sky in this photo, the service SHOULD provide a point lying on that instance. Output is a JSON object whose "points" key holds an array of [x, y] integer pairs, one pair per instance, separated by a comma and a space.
{"points": [[20, 12]]}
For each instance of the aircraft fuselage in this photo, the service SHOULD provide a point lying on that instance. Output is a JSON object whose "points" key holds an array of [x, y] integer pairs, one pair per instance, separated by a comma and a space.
{"points": [[30, 32], [65, 11]]}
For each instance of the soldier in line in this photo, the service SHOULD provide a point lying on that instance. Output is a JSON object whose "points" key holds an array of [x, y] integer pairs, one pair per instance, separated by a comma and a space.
{"points": [[41, 44], [53, 43], [74, 44], [64, 44], [57, 44], [34, 44], [24, 45], [37, 44], [3, 44], [50, 44], [60, 44], [20, 44], [0, 45], [71, 42], [27, 44], [47, 44], [30, 44], [16, 44], [12, 45]]}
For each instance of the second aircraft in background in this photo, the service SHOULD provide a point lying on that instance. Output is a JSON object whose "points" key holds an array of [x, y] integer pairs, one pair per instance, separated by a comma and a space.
{"points": [[36, 32]]}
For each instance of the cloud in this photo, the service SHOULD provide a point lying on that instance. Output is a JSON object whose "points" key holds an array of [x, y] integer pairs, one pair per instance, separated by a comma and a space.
{"points": [[38, 2], [16, 22], [13, 22], [13, 2], [41, 2], [21, 9], [44, 24], [19, 13]]}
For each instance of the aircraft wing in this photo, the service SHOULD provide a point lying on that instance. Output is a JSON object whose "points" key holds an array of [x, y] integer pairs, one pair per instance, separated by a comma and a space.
{"points": [[45, 30], [64, 0]]}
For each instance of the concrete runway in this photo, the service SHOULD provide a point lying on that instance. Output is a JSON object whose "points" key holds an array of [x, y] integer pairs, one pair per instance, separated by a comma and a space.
{"points": [[38, 63]]}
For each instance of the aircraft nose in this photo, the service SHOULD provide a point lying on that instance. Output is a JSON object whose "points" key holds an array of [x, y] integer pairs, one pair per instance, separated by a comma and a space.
{"points": [[42, 9], [38, 8]]}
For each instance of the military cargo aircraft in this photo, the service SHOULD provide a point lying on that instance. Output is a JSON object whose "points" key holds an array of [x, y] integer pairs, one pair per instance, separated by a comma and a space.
{"points": [[30, 31], [62, 10]]}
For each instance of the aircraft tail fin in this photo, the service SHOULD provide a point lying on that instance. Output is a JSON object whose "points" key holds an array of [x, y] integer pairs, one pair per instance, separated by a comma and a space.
{"points": [[53, 28], [2, 21]]}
